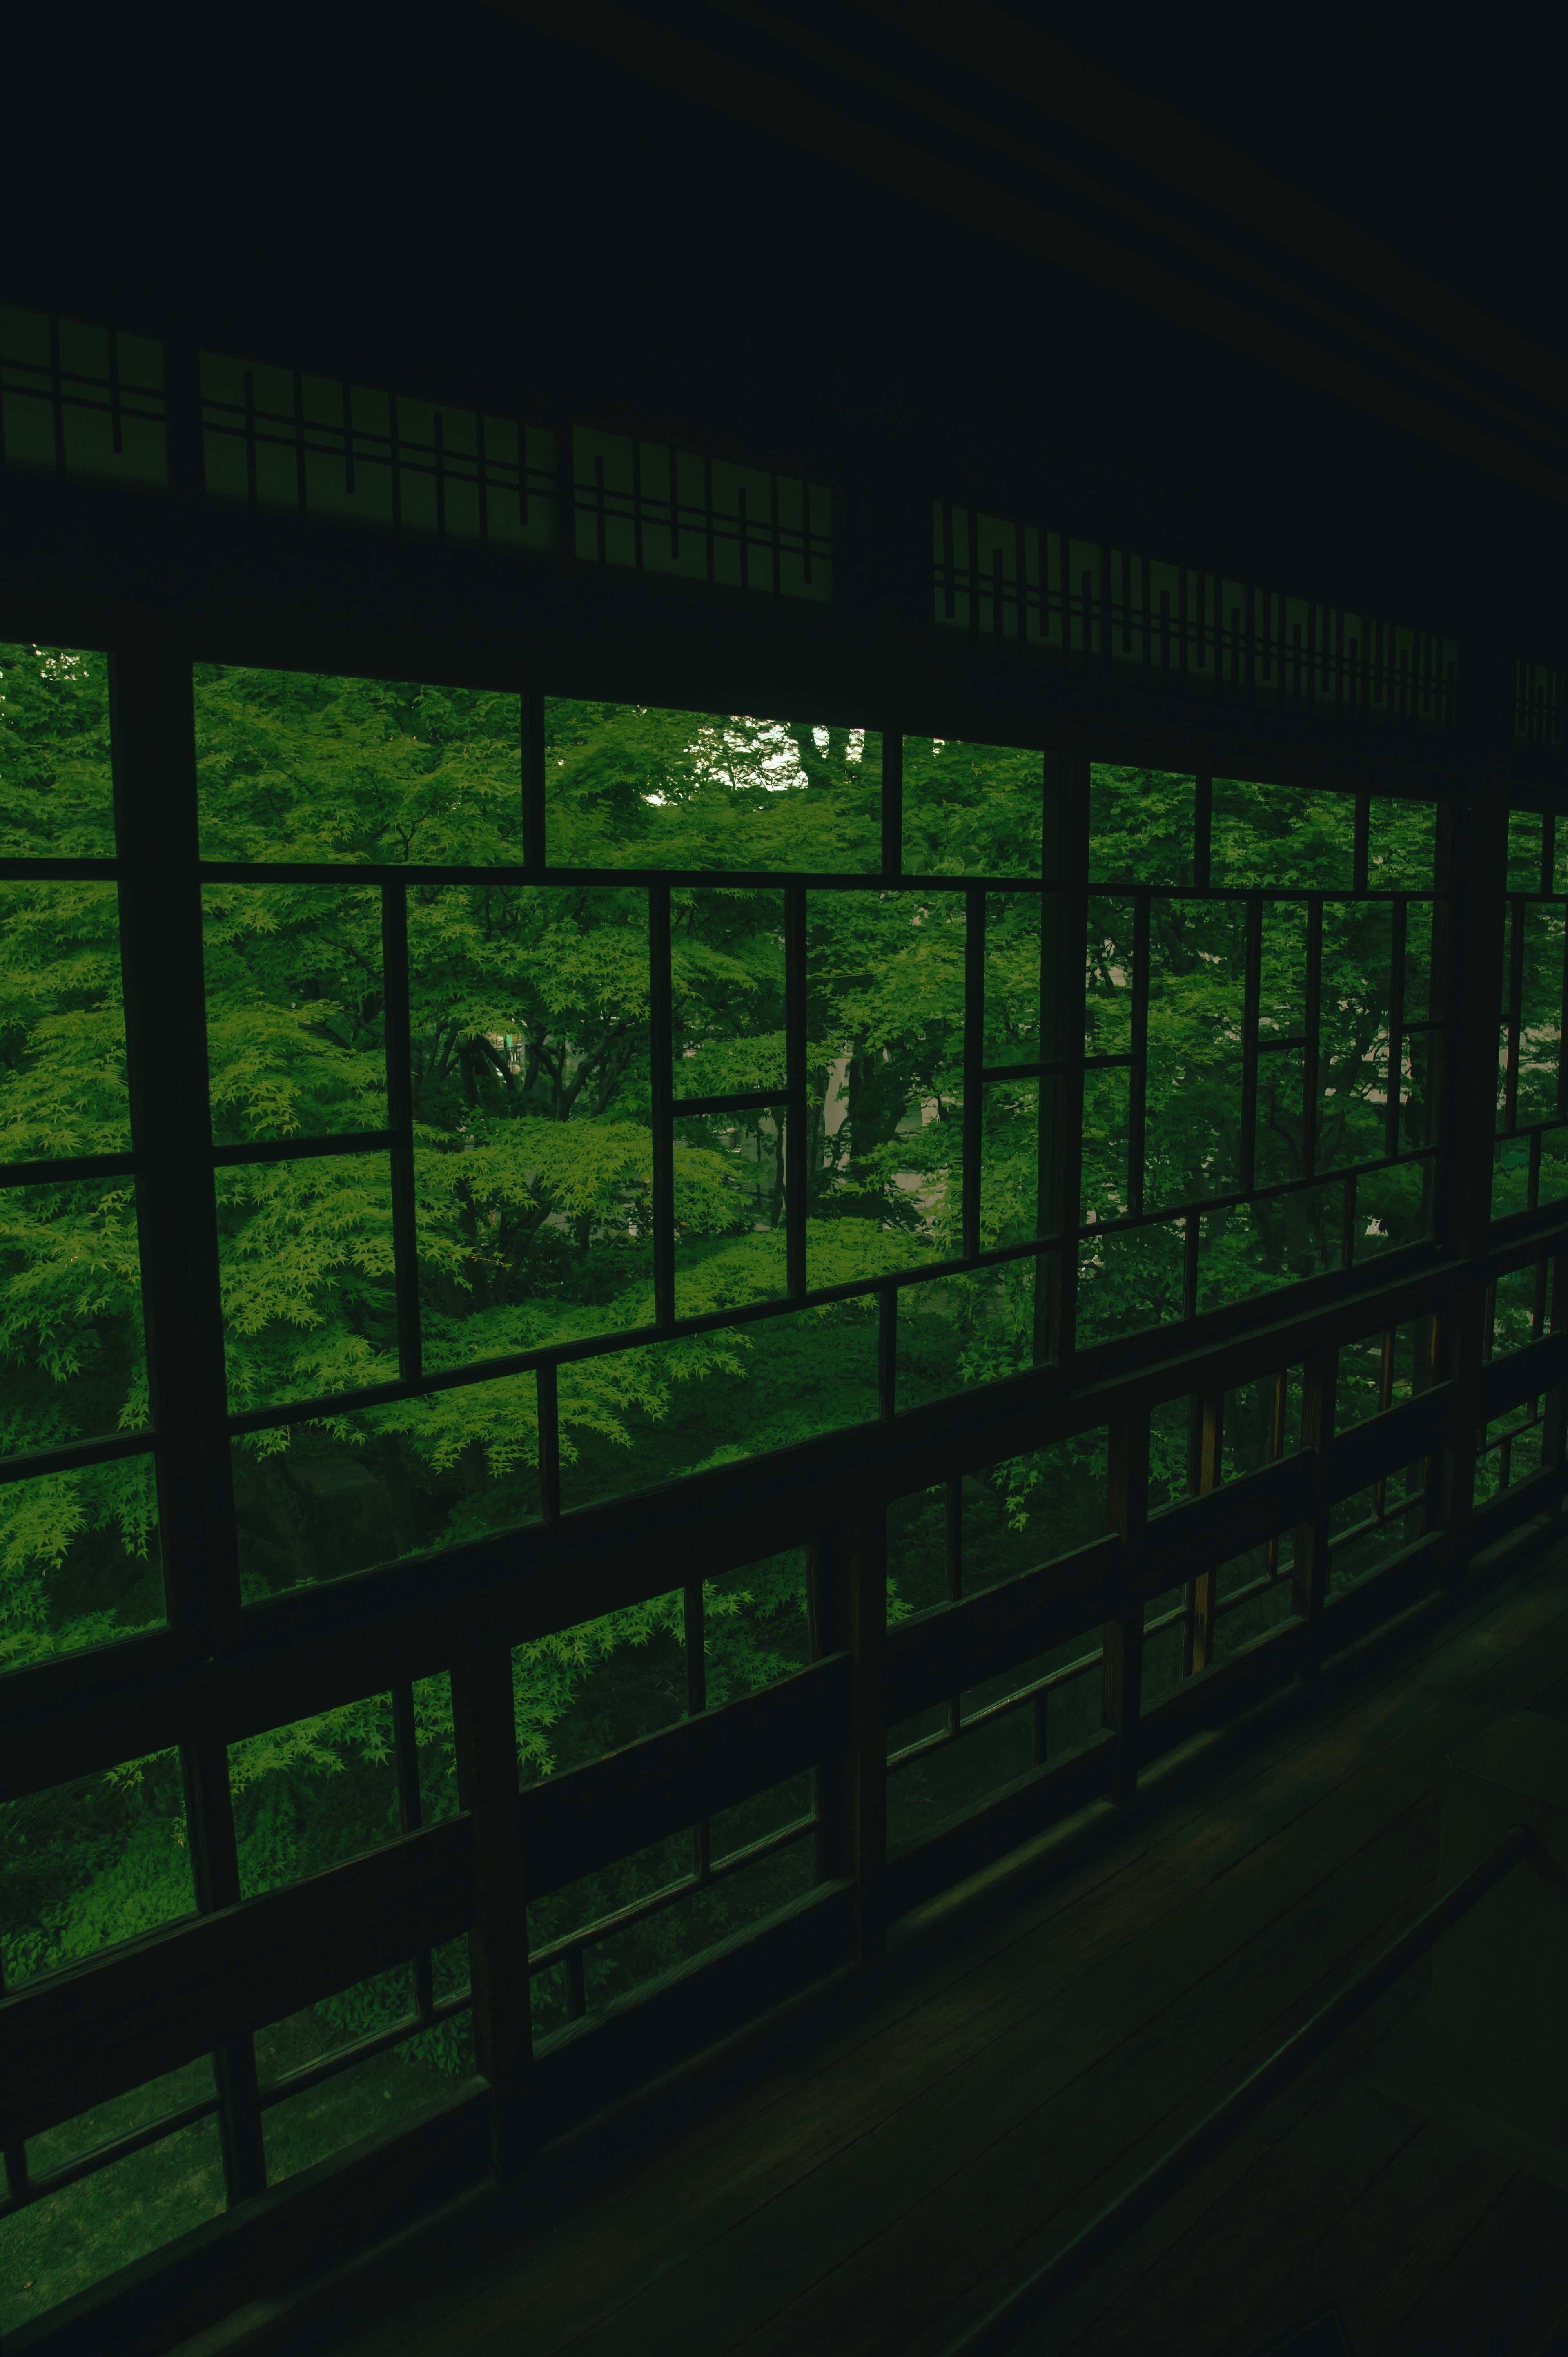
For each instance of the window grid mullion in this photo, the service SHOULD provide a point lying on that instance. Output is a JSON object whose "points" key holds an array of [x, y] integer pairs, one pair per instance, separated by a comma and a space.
{"points": [[1312, 1026], [973, 1062], [1251, 992], [153, 750], [411, 1817], [1397, 952], [400, 1123], [797, 1118], [1138, 1078], [660, 1025], [1514, 1014]]}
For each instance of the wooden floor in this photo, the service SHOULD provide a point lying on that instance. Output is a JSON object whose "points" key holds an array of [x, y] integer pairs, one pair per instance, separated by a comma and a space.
{"points": [[903, 2160]]}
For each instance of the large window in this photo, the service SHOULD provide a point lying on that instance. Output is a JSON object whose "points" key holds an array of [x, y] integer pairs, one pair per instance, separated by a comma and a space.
{"points": [[596, 1096]]}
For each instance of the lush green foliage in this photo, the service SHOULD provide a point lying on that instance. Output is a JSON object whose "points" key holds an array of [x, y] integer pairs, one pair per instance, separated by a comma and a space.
{"points": [[531, 1090]]}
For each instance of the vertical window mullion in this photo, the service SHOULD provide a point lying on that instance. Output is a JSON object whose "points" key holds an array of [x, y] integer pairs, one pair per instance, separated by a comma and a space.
{"points": [[1138, 1077], [1121, 1671], [153, 747], [953, 1568], [797, 1112], [1397, 954], [1561, 1091], [411, 1817], [14, 2154], [1311, 1029], [696, 1701], [547, 1410], [1252, 991], [1515, 1013], [485, 1740], [887, 1350], [1062, 1019], [400, 1123], [660, 1025], [973, 1060], [1202, 1590]]}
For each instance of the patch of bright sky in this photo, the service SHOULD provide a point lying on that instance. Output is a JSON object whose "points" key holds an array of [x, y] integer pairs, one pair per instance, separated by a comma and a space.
{"points": [[780, 766]]}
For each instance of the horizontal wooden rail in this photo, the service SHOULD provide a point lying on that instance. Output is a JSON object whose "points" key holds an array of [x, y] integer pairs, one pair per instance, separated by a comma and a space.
{"points": [[1033, 2299], [316, 1647], [147, 2007], [98, 2029], [941, 1652], [1508, 1382], [612, 1807]]}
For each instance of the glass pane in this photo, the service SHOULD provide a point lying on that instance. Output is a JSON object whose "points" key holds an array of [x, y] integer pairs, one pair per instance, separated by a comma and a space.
{"points": [[1196, 994], [727, 974], [1028, 1511], [885, 978], [89, 1863], [56, 788], [315, 1500], [1353, 1033], [1109, 977], [959, 1330], [1540, 1012], [755, 1626], [309, 1796], [79, 1548], [917, 1553], [1262, 1422], [1281, 835], [1524, 851], [640, 1416], [1401, 844], [1393, 1208], [972, 810], [1252, 1599], [531, 1103], [634, 786], [303, 2128], [295, 1011], [675, 1936], [63, 2245], [299, 765], [1129, 1279], [1017, 1138], [306, 1254], [62, 1022], [1140, 825], [581, 1692]]}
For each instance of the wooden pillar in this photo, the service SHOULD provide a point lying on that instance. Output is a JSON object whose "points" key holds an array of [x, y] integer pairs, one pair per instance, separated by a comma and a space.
{"points": [[152, 734], [1121, 1675], [485, 1730], [1202, 1591], [1310, 1566], [848, 1595], [1473, 867]]}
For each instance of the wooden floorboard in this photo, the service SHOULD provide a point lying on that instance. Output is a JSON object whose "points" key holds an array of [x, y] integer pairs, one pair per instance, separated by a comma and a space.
{"points": [[910, 2153]]}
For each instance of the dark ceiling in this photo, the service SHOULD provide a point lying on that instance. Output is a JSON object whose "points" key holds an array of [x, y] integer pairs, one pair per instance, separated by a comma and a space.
{"points": [[862, 232]]}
